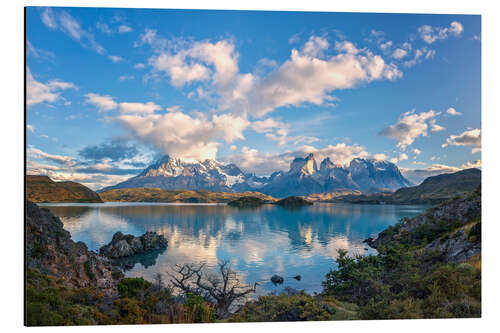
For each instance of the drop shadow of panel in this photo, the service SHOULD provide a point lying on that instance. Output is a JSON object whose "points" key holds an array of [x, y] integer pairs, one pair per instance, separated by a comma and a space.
{"points": [[145, 259]]}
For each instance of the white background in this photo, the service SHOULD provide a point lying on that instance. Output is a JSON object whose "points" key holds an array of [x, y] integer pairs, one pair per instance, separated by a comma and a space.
{"points": [[12, 160]]}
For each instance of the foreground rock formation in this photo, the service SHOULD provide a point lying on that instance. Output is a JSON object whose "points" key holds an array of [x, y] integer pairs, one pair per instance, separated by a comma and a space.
{"points": [[50, 250], [128, 245], [452, 228]]}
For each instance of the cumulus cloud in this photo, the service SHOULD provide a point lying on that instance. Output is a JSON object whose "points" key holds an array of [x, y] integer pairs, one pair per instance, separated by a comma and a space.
{"points": [[38, 92], [315, 46], [149, 107], [401, 157], [453, 112], [416, 151], [399, 53], [468, 138], [199, 61], [308, 79], [410, 126], [432, 34], [102, 102], [435, 127], [181, 135], [107, 103]]}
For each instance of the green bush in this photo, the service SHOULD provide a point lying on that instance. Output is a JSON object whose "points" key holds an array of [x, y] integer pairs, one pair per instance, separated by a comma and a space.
{"points": [[285, 307], [133, 287]]}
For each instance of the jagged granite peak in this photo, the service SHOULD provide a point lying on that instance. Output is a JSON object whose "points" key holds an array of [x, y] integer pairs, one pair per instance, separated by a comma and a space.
{"points": [[305, 166], [303, 178]]}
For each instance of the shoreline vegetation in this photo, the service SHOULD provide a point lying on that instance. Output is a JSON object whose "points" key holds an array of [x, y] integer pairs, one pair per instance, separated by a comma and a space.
{"points": [[426, 267]]}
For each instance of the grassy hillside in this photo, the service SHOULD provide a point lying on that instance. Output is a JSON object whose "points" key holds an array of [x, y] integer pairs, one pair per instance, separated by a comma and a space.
{"points": [[440, 188], [433, 190], [159, 195], [44, 189]]}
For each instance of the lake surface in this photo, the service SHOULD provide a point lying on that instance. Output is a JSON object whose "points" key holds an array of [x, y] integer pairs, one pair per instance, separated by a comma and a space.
{"points": [[257, 242]]}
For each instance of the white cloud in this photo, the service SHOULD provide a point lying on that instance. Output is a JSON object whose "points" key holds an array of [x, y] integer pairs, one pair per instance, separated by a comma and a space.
{"points": [[124, 29], [435, 127], [30, 128], [401, 157], [420, 55], [453, 112], [181, 135], [432, 34], [139, 108], [468, 138], [410, 126], [103, 102], [416, 151], [385, 45], [315, 46], [473, 164], [33, 152], [233, 148], [38, 92], [194, 63], [139, 66], [48, 18], [307, 79], [380, 157], [399, 53], [115, 59], [251, 160]]}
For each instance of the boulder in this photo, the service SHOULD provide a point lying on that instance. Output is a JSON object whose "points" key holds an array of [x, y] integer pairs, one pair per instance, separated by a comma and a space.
{"points": [[276, 279], [128, 245]]}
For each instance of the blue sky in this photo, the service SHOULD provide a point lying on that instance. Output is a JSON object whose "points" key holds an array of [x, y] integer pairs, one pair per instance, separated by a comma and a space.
{"points": [[110, 90]]}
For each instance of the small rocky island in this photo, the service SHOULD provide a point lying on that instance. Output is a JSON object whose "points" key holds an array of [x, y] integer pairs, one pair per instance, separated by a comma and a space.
{"points": [[293, 202], [128, 245], [247, 202]]}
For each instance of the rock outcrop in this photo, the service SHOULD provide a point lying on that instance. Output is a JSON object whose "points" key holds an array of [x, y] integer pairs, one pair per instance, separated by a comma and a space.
{"points": [[128, 245], [452, 228], [50, 249]]}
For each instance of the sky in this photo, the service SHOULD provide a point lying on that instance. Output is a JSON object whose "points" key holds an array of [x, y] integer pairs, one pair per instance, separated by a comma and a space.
{"points": [[111, 90]]}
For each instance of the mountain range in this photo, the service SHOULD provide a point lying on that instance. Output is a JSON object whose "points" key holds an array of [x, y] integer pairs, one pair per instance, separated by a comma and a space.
{"points": [[303, 178]]}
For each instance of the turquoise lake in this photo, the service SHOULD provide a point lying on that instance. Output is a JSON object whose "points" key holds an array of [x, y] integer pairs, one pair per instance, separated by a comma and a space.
{"points": [[257, 242]]}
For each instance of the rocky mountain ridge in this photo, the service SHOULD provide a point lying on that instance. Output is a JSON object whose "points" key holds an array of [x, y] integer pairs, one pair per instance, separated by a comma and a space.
{"points": [[303, 178]]}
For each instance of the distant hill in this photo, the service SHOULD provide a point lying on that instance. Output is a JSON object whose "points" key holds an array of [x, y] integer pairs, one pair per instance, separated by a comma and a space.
{"points": [[159, 195], [433, 190], [44, 189]]}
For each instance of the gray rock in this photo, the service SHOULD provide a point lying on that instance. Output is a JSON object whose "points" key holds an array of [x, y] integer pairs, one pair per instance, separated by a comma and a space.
{"points": [[128, 245], [276, 279]]}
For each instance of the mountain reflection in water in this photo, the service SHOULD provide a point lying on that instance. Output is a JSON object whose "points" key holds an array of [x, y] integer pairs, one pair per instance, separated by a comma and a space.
{"points": [[258, 242]]}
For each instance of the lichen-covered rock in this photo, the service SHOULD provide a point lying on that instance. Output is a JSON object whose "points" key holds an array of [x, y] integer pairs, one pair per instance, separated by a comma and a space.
{"points": [[50, 250], [128, 245]]}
